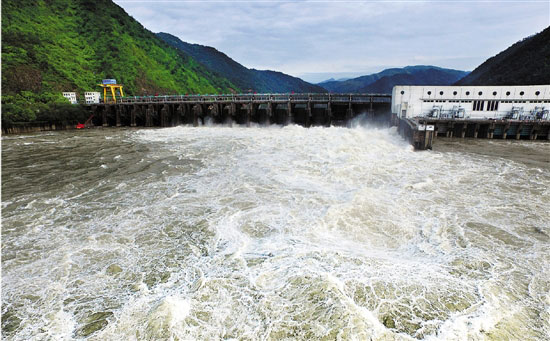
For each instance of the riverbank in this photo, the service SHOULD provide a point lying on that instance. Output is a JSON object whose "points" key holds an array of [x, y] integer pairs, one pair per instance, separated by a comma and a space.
{"points": [[34, 127]]}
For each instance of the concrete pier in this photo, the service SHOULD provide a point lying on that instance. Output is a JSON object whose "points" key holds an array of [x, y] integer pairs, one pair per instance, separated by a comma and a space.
{"points": [[417, 132]]}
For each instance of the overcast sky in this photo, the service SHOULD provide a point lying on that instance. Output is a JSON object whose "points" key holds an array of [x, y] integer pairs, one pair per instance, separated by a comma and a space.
{"points": [[316, 40]]}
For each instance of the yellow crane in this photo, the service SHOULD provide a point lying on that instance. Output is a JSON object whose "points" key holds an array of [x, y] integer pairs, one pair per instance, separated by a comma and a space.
{"points": [[112, 86]]}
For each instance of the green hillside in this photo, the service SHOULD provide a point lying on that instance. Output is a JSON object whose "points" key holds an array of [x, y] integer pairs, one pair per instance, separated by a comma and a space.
{"points": [[63, 45], [525, 63]]}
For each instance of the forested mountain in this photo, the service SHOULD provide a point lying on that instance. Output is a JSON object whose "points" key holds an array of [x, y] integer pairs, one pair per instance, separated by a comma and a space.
{"points": [[525, 63], [384, 81], [246, 79], [70, 45]]}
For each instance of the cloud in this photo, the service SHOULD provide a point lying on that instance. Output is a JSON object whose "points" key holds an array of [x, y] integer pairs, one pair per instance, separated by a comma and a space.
{"points": [[308, 37]]}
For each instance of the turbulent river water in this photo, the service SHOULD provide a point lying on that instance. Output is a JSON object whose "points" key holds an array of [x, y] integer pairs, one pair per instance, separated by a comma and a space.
{"points": [[273, 233]]}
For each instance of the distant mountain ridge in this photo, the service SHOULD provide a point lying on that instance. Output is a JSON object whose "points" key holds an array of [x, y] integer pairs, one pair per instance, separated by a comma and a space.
{"points": [[246, 79], [526, 62], [334, 80], [384, 81]]}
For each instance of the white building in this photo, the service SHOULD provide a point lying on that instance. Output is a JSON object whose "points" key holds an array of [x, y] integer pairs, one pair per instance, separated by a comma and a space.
{"points": [[92, 97], [474, 102], [71, 96]]}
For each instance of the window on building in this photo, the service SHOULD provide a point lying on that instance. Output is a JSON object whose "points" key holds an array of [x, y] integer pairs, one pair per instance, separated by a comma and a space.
{"points": [[467, 93], [492, 105], [429, 93], [507, 93], [454, 93], [480, 93], [494, 93], [402, 92], [521, 93], [478, 105], [441, 93], [537, 93]]}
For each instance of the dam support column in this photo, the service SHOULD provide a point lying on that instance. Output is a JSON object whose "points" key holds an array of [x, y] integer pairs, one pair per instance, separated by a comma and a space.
{"points": [[133, 116], [349, 114], [476, 130], [289, 115], [232, 113], [219, 111], [164, 116], [534, 132], [308, 115], [104, 121], [248, 114], [371, 112], [149, 116], [189, 114], [118, 108], [269, 112], [179, 114], [464, 128], [328, 117], [450, 129], [505, 130], [518, 131], [490, 130], [196, 110], [428, 136]]}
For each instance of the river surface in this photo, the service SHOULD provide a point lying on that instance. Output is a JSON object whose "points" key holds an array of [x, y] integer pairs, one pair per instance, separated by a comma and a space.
{"points": [[273, 233]]}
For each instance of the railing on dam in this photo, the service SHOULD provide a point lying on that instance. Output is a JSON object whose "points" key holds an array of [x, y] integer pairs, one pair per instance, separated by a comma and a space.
{"points": [[259, 98]]}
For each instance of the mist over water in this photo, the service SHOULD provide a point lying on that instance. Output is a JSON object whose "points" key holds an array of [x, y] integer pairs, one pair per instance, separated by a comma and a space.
{"points": [[273, 233]]}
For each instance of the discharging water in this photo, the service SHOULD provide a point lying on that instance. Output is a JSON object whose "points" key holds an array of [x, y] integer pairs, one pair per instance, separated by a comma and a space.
{"points": [[273, 233]]}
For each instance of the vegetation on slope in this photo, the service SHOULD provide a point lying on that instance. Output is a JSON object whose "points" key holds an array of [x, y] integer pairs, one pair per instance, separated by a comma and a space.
{"points": [[247, 79], [525, 63], [63, 45], [384, 81]]}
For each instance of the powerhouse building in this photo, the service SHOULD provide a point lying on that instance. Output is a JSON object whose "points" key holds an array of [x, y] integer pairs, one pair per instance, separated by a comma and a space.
{"points": [[530, 102]]}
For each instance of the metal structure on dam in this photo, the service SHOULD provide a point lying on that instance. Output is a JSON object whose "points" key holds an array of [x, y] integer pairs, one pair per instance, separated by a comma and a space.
{"points": [[304, 109]]}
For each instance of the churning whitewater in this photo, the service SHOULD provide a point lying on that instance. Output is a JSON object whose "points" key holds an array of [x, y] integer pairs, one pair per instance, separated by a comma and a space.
{"points": [[272, 233]]}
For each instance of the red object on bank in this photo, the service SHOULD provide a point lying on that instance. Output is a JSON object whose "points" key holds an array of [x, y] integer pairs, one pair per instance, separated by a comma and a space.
{"points": [[80, 126]]}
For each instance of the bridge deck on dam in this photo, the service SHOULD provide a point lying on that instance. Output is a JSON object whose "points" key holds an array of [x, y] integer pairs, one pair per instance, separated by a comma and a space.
{"points": [[304, 109], [260, 98]]}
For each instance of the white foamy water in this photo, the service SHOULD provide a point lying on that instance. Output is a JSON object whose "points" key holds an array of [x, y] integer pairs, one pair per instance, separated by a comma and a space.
{"points": [[272, 233]]}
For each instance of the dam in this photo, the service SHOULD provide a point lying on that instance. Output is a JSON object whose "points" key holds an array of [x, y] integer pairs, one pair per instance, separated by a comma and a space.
{"points": [[421, 113], [302, 109]]}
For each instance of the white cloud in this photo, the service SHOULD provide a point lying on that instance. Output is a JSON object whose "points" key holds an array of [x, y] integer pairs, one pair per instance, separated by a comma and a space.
{"points": [[311, 37]]}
